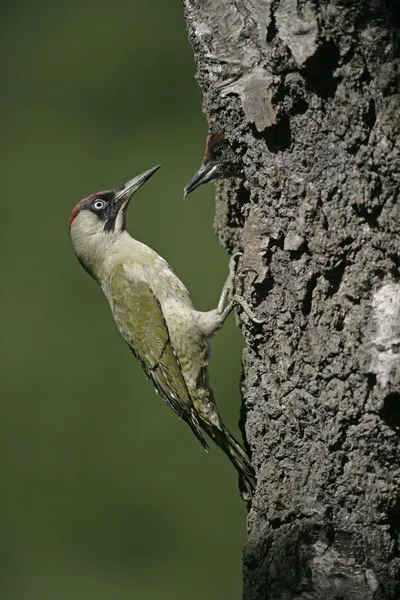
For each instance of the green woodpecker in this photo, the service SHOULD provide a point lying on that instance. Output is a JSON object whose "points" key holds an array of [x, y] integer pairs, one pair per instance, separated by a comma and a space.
{"points": [[156, 316], [219, 161]]}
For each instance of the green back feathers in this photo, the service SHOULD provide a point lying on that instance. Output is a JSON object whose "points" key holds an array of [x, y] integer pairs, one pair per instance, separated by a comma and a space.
{"points": [[140, 319]]}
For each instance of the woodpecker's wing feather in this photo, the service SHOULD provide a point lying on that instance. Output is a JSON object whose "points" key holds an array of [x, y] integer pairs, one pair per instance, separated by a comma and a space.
{"points": [[141, 322]]}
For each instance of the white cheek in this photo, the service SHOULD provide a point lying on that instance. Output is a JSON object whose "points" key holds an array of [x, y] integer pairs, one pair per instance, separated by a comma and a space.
{"points": [[85, 224], [84, 236]]}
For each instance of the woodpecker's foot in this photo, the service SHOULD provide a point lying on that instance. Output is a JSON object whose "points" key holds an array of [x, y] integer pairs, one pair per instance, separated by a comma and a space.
{"points": [[230, 298], [239, 300], [229, 286]]}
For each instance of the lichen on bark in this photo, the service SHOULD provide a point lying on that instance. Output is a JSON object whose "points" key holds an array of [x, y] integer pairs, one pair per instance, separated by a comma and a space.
{"points": [[308, 93]]}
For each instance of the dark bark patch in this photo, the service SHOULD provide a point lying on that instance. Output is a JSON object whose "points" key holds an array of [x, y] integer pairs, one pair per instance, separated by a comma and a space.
{"points": [[237, 214], [371, 381], [335, 277], [300, 106], [308, 296], [390, 412], [369, 215], [278, 137], [262, 289], [369, 116], [319, 70], [395, 258], [272, 29], [394, 527]]}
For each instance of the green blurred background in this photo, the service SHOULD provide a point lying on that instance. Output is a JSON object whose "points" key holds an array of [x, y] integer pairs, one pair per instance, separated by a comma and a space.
{"points": [[104, 493]]}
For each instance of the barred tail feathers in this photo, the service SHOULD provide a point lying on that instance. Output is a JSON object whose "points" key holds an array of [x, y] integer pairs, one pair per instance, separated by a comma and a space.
{"points": [[238, 457], [211, 423], [242, 463]]}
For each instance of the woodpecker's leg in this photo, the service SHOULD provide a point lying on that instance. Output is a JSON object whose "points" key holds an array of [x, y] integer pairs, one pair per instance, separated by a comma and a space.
{"points": [[229, 298]]}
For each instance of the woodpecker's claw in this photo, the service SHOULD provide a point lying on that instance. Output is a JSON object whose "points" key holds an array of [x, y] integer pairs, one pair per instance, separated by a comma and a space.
{"points": [[244, 270], [229, 291], [246, 308]]}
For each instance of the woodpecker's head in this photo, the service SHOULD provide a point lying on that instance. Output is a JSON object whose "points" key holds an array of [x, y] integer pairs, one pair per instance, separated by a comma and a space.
{"points": [[219, 162], [96, 221]]}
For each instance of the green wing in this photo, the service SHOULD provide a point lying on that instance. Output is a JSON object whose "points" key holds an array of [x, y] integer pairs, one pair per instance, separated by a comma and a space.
{"points": [[141, 322]]}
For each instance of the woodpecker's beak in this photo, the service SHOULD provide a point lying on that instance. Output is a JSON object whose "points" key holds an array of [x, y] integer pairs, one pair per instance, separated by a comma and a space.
{"points": [[207, 172], [125, 193]]}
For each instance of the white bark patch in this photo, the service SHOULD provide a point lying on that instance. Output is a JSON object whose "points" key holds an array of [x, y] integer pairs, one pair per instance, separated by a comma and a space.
{"points": [[255, 92], [201, 30], [385, 345], [235, 33], [298, 31]]}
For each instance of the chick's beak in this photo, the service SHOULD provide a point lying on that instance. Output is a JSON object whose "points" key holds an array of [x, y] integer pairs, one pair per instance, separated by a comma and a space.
{"points": [[125, 192], [208, 171]]}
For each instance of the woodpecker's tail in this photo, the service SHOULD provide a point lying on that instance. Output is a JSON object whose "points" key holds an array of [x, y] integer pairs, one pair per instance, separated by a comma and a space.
{"points": [[242, 463], [193, 421], [239, 459]]}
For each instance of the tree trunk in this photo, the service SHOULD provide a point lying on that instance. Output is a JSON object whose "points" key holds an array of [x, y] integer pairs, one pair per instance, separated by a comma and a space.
{"points": [[308, 94]]}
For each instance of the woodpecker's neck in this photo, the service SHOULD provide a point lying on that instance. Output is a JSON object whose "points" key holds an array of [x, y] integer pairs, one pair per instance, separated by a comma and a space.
{"points": [[98, 250]]}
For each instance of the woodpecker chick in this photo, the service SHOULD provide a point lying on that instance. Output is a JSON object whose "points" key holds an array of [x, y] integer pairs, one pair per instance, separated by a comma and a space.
{"points": [[156, 316], [219, 162]]}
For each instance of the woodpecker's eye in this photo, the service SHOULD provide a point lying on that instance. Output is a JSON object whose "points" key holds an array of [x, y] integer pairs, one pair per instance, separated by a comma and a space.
{"points": [[217, 150], [98, 205]]}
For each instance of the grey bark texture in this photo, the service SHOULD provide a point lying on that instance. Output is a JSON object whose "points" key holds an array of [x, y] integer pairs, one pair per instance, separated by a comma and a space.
{"points": [[308, 94]]}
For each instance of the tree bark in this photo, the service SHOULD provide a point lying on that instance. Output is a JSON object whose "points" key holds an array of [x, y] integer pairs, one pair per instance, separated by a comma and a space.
{"points": [[308, 93]]}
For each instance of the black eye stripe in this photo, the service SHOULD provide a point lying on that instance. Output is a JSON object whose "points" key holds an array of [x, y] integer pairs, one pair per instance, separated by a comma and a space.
{"points": [[109, 210], [104, 197], [111, 217]]}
